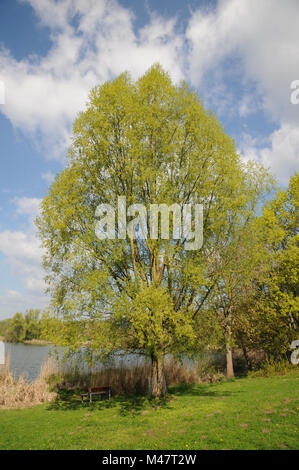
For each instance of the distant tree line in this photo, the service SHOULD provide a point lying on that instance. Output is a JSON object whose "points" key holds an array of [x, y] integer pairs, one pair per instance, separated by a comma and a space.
{"points": [[22, 327]]}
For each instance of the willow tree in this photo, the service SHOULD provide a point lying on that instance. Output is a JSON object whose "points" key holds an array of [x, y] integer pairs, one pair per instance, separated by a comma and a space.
{"points": [[152, 142]]}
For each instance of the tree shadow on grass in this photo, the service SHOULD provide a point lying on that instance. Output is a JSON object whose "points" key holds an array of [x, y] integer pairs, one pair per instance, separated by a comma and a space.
{"points": [[137, 405], [71, 400], [201, 390], [68, 400]]}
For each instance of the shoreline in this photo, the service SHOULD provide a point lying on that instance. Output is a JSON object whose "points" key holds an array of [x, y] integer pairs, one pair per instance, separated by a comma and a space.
{"points": [[36, 342]]}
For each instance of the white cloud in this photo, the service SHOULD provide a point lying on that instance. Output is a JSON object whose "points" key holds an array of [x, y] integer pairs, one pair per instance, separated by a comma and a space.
{"points": [[248, 148], [20, 246], [93, 41], [280, 152], [28, 206], [13, 301], [248, 105], [23, 253], [248, 47], [283, 156], [263, 38], [48, 176]]}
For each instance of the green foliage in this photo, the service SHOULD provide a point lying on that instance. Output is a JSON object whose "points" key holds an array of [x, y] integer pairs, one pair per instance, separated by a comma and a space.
{"points": [[32, 324], [243, 259], [16, 331], [4, 325], [21, 327], [271, 367], [153, 142], [274, 310]]}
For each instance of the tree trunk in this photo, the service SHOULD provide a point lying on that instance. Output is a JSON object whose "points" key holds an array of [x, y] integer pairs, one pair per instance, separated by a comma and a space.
{"points": [[229, 354], [229, 362], [157, 382]]}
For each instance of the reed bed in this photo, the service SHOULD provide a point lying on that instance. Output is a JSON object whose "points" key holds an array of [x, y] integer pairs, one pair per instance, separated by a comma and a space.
{"points": [[20, 394], [124, 379]]}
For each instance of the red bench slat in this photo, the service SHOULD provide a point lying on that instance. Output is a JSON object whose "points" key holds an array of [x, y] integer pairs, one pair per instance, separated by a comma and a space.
{"points": [[97, 389]]}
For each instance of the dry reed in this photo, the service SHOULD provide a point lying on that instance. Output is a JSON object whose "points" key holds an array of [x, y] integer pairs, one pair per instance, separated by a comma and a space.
{"points": [[123, 379], [20, 394]]}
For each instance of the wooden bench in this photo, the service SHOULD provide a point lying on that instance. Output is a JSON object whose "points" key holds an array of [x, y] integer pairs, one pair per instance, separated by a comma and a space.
{"points": [[90, 392]]}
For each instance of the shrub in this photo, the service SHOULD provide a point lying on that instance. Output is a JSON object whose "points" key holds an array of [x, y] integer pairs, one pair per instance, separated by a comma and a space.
{"points": [[271, 367]]}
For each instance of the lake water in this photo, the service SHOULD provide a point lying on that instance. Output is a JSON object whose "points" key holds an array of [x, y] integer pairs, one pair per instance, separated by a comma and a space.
{"points": [[27, 359]]}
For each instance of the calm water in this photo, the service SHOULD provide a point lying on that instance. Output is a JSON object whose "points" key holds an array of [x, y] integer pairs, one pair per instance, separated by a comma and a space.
{"points": [[27, 359]]}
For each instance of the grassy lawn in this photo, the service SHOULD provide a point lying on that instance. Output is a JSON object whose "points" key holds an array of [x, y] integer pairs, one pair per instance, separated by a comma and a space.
{"points": [[248, 413]]}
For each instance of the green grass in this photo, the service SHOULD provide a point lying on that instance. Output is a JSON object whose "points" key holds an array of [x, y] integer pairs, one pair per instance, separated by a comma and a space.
{"points": [[247, 413]]}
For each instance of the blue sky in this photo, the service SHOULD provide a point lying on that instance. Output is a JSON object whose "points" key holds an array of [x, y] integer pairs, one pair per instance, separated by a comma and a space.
{"points": [[240, 56]]}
